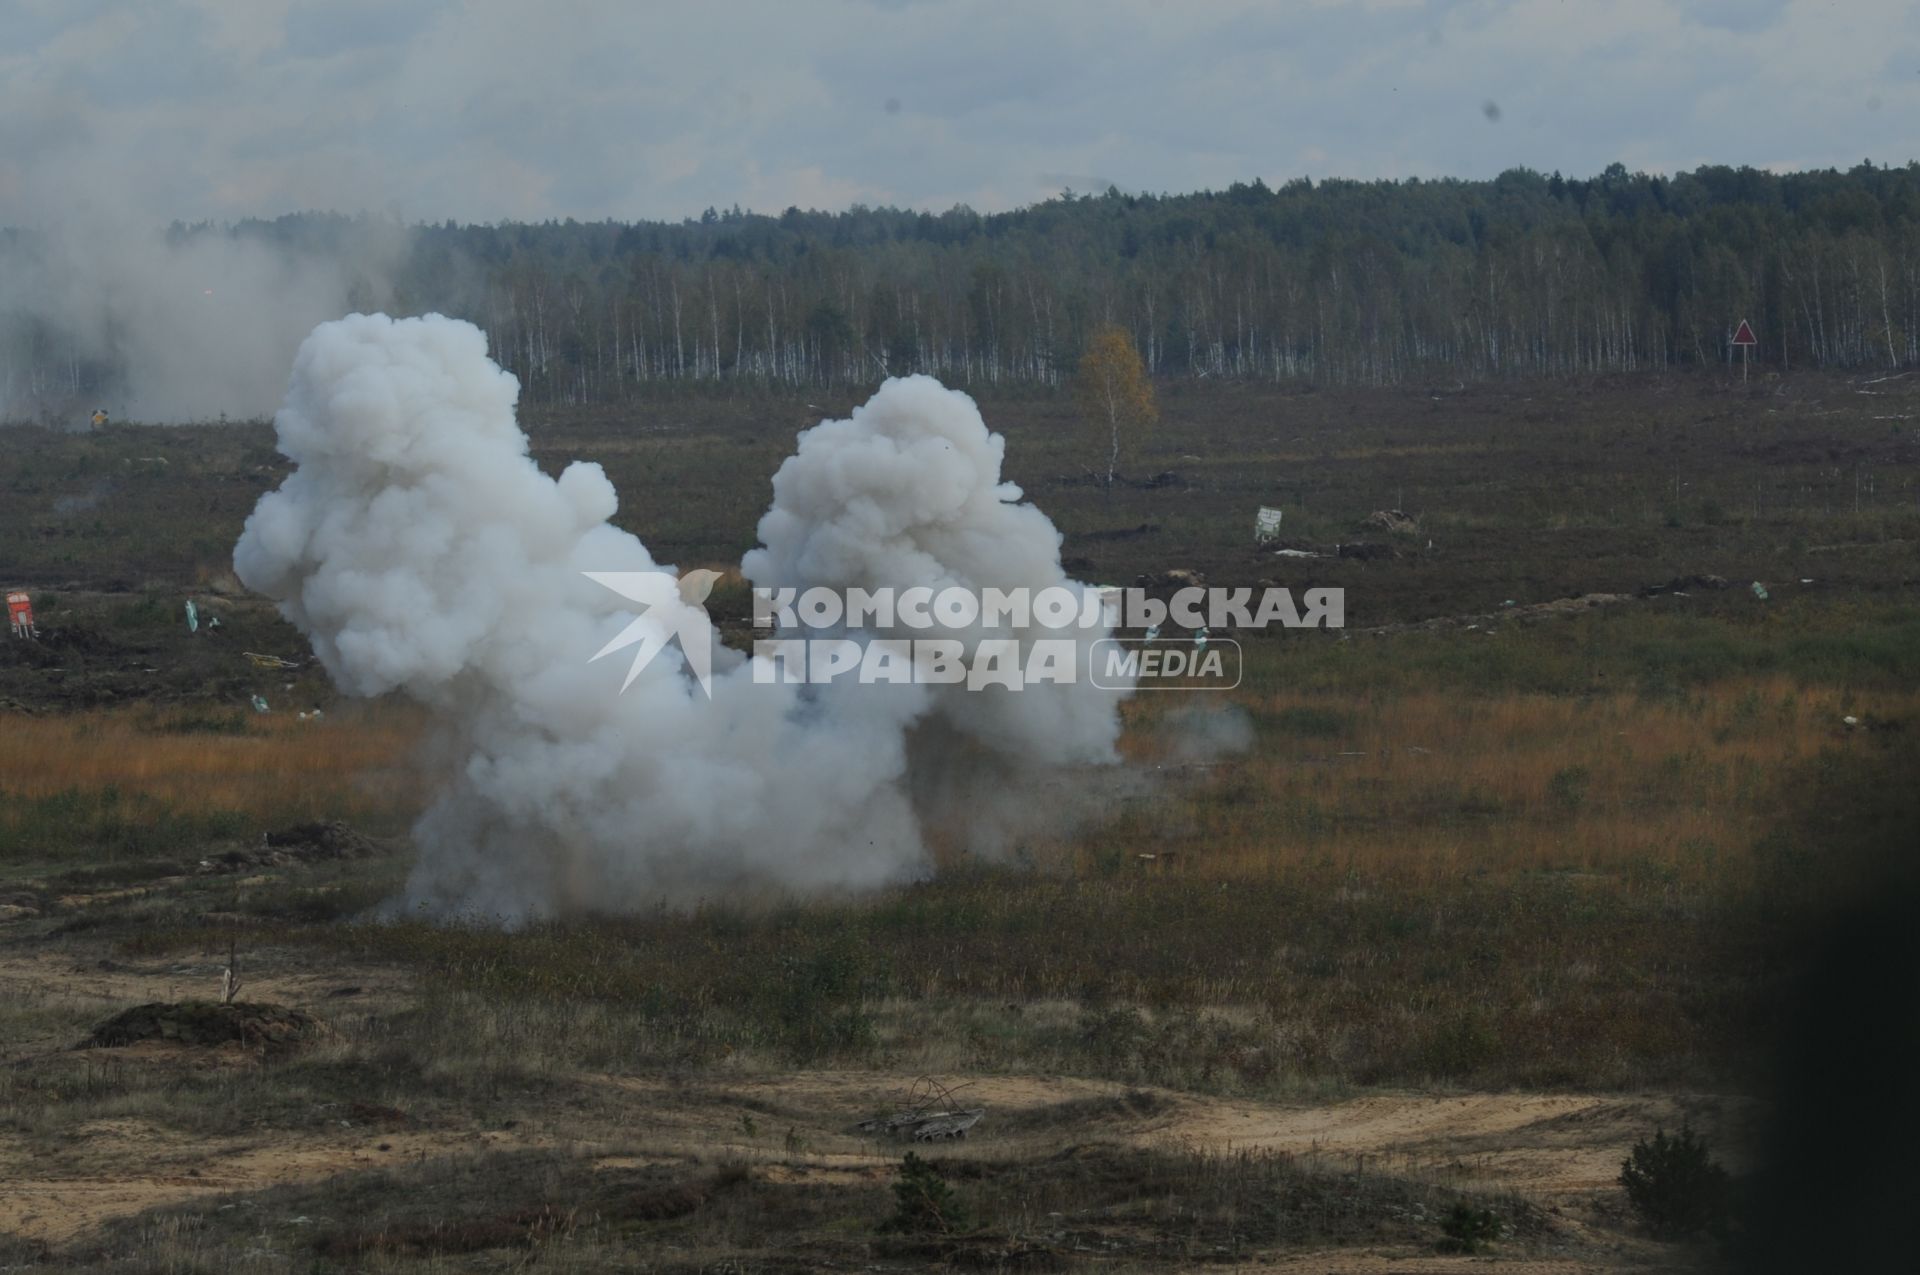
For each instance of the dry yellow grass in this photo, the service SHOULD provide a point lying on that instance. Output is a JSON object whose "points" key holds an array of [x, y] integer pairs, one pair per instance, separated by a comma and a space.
{"points": [[355, 762], [1423, 786], [1435, 784], [1503, 888]]}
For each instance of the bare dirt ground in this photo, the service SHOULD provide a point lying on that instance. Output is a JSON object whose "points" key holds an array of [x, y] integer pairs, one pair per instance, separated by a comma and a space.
{"points": [[103, 1147], [1558, 1151]]}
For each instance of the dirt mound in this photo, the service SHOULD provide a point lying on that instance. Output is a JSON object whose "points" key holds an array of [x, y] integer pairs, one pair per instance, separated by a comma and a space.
{"points": [[20, 905], [1684, 584], [453, 1236], [1121, 533], [326, 840], [303, 843], [473, 1233], [256, 1025], [1177, 578], [1390, 520], [664, 1203]]}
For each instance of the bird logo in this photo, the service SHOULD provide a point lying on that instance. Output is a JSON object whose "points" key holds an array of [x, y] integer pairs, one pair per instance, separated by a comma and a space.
{"points": [[672, 610]]}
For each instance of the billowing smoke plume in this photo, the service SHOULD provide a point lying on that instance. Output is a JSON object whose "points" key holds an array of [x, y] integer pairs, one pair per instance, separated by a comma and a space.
{"points": [[906, 493], [421, 550], [190, 324]]}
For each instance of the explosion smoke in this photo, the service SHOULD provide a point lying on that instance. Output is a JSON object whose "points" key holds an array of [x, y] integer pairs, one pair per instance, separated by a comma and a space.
{"points": [[186, 325], [420, 549]]}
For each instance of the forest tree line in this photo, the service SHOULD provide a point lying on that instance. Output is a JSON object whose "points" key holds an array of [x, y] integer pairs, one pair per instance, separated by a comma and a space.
{"points": [[1335, 282]]}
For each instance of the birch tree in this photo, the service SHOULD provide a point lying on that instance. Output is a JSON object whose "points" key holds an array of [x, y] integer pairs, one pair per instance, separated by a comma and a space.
{"points": [[1116, 398]]}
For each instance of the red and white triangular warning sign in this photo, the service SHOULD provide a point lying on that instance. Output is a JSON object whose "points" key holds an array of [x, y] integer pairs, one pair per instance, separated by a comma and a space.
{"points": [[1745, 336]]}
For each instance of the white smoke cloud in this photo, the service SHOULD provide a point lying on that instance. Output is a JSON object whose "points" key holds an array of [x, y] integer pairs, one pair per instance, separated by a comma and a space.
{"points": [[421, 550], [907, 492], [169, 326]]}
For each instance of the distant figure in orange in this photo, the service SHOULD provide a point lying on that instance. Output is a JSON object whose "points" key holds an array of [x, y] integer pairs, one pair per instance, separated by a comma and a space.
{"points": [[99, 417]]}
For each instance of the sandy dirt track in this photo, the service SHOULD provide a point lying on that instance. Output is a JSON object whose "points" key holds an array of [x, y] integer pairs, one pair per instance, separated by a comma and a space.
{"points": [[1559, 1150]]}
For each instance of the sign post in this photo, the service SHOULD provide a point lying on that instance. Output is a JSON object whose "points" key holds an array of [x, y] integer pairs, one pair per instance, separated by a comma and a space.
{"points": [[1746, 340], [20, 615]]}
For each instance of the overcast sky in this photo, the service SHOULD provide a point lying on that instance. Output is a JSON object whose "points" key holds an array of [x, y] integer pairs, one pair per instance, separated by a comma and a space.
{"points": [[491, 109]]}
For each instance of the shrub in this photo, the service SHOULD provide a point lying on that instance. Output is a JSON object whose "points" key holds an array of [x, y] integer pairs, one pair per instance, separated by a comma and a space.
{"points": [[818, 994], [1463, 1044], [1469, 1230], [1567, 789], [923, 1202], [1675, 1186], [1113, 1036]]}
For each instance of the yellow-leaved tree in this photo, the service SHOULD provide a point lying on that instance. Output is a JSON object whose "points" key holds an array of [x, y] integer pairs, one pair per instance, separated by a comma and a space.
{"points": [[1116, 398]]}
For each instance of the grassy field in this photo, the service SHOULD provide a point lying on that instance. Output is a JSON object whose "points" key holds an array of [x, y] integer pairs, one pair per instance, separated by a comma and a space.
{"points": [[1528, 492], [1494, 890]]}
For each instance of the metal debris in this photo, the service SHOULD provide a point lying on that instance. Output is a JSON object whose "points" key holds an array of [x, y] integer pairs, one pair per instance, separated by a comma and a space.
{"points": [[930, 1115]]}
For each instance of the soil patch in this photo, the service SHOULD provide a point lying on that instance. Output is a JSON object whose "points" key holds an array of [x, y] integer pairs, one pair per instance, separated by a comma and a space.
{"points": [[254, 1025]]}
